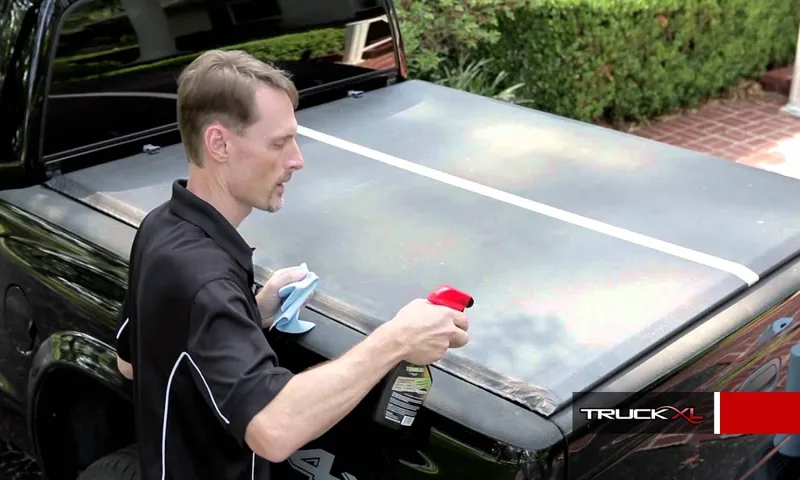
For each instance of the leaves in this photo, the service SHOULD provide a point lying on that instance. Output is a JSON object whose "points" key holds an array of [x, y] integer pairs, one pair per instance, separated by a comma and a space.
{"points": [[438, 31], [473, 75]]}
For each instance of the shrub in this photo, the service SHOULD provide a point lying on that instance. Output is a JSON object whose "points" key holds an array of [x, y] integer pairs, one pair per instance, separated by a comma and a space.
{"points": [[442, 38], [475, 75], [601, 59], [444, 31], [635, 59]]}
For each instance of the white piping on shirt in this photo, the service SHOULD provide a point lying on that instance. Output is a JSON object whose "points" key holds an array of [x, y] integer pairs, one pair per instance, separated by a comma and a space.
{"points": [[166, 412], [124, 324]]}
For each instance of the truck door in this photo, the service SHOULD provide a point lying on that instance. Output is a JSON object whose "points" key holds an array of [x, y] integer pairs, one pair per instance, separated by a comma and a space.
{"points": [[753, 358]]}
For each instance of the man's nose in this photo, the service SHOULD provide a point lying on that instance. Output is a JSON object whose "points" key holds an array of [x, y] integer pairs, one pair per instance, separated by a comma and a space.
{"points": [[295, 161]]}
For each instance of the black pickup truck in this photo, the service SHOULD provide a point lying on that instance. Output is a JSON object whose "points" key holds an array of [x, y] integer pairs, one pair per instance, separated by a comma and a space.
{"points": [[598, 261]]}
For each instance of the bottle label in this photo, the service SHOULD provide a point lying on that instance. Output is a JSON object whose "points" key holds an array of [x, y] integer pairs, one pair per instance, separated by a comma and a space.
{"points": [[408, 393]]}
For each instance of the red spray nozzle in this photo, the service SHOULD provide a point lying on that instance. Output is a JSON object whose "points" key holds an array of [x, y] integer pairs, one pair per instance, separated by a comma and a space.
{"points": [[448, 296]]}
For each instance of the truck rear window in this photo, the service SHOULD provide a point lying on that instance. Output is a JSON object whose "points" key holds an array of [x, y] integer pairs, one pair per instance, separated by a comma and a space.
{"points": [[116, 61]]}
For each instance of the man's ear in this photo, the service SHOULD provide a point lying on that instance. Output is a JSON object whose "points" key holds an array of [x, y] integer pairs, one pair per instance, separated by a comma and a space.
{"points": [[215, 140]]}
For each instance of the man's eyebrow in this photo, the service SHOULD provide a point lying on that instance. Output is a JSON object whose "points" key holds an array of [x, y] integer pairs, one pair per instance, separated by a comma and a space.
{"points": [[283, 136]]}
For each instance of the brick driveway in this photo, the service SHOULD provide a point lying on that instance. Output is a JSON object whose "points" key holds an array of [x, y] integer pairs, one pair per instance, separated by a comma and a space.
{"points": [[751, 131]]}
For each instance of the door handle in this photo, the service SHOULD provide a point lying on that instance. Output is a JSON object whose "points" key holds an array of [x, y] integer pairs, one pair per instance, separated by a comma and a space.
{"points": [[765, 379]]}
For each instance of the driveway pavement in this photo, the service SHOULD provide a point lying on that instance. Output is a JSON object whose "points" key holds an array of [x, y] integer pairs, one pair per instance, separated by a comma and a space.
{"points": [[751, 131]]}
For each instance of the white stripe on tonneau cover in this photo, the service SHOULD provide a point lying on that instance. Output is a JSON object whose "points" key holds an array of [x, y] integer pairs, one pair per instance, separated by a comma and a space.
{"points": [[748, 276]]}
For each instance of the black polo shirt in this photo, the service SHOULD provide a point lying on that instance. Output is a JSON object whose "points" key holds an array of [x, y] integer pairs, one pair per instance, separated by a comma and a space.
{"points": [[191, 329]]}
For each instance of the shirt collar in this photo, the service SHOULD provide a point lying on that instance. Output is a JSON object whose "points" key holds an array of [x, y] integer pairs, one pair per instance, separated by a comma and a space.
{"points": [[197, 211]]}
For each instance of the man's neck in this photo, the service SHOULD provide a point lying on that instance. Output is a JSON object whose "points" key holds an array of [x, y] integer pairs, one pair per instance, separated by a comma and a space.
{"points": [[214, 192]]}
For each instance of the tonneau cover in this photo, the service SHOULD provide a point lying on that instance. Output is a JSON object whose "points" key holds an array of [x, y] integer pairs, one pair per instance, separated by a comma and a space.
{"points": [[560, 304]]}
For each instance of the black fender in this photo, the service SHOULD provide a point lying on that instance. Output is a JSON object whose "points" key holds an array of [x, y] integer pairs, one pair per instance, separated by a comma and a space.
{"points": [[77, 353]]}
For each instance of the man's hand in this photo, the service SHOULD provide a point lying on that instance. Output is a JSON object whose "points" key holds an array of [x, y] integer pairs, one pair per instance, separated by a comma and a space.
{"points": [[268, 300], [429, 330], [314, 400]]}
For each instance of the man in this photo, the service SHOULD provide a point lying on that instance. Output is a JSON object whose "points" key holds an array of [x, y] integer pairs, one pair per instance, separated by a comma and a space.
{"points": [[211, 400]]}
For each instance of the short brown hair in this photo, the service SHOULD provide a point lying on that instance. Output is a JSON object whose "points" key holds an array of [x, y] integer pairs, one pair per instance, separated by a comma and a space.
{"points": [[220, 86]]}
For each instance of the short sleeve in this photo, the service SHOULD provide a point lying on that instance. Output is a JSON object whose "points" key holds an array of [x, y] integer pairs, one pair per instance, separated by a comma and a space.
{"points": [[123, 342], [234, 366], [123, 330]]}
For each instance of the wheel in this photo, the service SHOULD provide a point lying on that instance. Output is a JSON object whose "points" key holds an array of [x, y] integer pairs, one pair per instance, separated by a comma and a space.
{"points": [[120, 465]]}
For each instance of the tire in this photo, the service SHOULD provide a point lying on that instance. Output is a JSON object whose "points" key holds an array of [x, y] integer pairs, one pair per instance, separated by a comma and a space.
{"points": [[120, 465]]}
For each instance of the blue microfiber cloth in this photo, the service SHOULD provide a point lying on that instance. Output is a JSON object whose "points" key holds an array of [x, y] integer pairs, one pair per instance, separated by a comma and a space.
{"points": [[293, 296]]}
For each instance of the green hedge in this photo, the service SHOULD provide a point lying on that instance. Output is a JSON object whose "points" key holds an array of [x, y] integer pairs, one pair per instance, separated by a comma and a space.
{"points": [[442, 39], [435, 31], [628, 59]]}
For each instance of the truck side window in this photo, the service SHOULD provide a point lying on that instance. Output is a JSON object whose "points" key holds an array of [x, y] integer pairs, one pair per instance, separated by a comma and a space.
{"points": [[117, 61]]}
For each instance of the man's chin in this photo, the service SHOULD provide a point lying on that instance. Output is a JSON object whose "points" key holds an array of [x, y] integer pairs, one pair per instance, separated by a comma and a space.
{"points": [[274, 204]]}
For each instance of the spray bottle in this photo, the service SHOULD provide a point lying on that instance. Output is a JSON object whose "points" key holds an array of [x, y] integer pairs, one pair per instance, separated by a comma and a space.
{"points": [[406, 387]]}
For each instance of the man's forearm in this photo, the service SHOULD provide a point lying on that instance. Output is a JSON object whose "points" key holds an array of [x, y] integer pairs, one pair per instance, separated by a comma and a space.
{"points": [[315, 400]]}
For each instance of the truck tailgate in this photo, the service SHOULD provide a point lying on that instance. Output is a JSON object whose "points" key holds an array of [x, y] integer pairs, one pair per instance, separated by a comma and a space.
{"points": [[562, 297]]}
